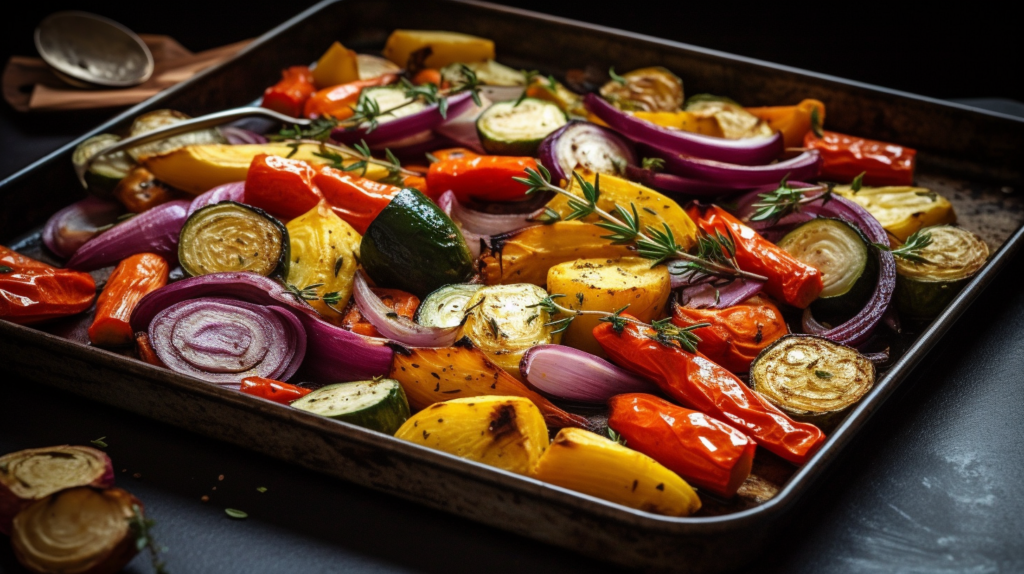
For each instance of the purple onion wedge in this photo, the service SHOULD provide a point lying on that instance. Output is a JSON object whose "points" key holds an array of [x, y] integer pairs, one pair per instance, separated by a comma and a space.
{"points": [[571, 374], [234, 191], [404, 126], [395, 327], [73, 226], [585, 145], [807, 165], [153, 231], [680, 185]]}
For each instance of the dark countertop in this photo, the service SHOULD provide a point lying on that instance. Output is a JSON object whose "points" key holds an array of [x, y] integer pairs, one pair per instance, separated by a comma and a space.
{"points": [[931, 485]]}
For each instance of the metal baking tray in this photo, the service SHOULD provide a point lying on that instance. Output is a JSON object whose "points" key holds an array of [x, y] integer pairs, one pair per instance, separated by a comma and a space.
{"points": [[972, 157]]}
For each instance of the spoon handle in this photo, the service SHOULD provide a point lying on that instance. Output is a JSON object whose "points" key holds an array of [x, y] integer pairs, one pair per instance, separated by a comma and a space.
{"points": [[189, 125]]}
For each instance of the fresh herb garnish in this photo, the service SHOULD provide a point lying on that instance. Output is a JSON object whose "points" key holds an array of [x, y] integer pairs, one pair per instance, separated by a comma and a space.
{"points": [[99, 442], [141, 528], [261, 489], [786, 199], [528, 75], [816, 122], [235, 513], [911, 249], [653, 163], [823, 374], [621, 80], [858, 182], [307, 293], [546, 217], [616, 437], [6, 269], [338, 264]]}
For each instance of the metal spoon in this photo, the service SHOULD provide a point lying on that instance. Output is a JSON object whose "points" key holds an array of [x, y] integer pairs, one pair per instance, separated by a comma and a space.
{"points": [[190, 125], [87, 50]]}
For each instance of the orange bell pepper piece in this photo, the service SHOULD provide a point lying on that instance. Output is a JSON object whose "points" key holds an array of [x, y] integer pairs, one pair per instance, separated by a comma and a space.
{"points": [[284, 187], [793, 121], [290, 94], [337, 101], [32, 291], [736, 334], [355, 199], [401, 302], [845, 157], [484, 177], [789, 280], [272, 390], [697, 383], [132, 279]]}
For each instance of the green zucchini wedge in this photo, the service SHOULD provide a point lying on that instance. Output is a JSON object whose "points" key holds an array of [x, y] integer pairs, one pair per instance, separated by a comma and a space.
{"points": [[849, 269], [446, 307], [378, 405], [928, 279], [506, 128], [812, 379], [106, 172], [229, 236], [413, 246]]}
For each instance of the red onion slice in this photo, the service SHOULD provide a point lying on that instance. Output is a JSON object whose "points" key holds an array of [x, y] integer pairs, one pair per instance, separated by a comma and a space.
{"points": [[397, 328], [234, 191], [241, 136], [481, 223], [153, 231], [807, 165], [223, 341], [749, 151], [461, 129], [571, 374], [586, 145], [73, 226], [681, 185], [405, 126], [708, 296]]}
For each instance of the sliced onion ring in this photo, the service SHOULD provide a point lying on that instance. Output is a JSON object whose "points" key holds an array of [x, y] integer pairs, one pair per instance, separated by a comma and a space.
{"points": [[73, 226], [807, 165], [396, 327], [586, 145], [481, 223], [707, 295], [571, 374], [681, 185], [749, 151], [234, 191], [241, 136], [154, 231], [405, 126]]}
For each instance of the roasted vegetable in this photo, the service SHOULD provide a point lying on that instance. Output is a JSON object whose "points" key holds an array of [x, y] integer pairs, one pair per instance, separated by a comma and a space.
{"points": [[30, 475], [506, 432], [378, 405], [733, 122], [338, 101], [434, 49], [504, 321], [793, 121], [902, 210], [706, 452], [931, 276], [447, 306], [78, 530], [161, 118], [812, 379], [410, 231], [647, 89], [585, 462], [324, 257], [552, 90], [281, 186], [105, 172], [684, 121], [517, 128], [434, 375], [140, 191], [736, 334], [272, 390], [337, 66], [488, 73], [355, 199], [608, 285], [653, 208], [402, 303], [846, 157], [290, 94], [525, 256], [488, 178], [697, 383], [230, 236], [132, 279], [32, 291]]}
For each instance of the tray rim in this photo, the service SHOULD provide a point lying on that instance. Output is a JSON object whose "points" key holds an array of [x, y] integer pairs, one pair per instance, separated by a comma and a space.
{"points": [[788, 496]]}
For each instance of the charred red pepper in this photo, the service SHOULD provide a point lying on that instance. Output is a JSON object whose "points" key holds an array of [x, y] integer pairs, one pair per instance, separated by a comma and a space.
{"points": [[483, 177], [736, 334], [401, 302], [32, 291], [133, 279], [706, 452], [284, 187], [337, 101], [355, 199], [272, 390], [845, 157], [290, 94], [789, 280], [696, 382]]}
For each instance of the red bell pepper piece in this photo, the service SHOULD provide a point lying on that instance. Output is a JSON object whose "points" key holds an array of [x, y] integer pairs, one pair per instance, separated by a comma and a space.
{"points": [[697, 383], [133, 279], [736, 334], [355, 199], [32, 291], [789, 280], [483, 177], [704, 451], [284, 187], [845, 157], [337, 101], [401, 302], [290, 94], [270, 389]]}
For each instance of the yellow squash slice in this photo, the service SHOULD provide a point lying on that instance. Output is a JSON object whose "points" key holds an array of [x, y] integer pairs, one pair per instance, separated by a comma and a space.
{"points": [[324, 252], [445, 47], [902, 210]]}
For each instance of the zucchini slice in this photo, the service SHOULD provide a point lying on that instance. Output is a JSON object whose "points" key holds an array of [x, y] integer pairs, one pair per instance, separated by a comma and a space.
{"points": [[446, 307], [925, 287], [509, 129], [505, 321], [106, 172], [839, 251], [812, 379], [488, 73], [160, 118], [229, 236], [378, 405]]}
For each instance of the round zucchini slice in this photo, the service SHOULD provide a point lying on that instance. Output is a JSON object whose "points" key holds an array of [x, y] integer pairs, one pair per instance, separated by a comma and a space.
{"points": [[106, 172], [378, 405], [812, 379], [839, 251], [229, 236], [446, 307], [160, 118], [509, 129], [925, 284]]}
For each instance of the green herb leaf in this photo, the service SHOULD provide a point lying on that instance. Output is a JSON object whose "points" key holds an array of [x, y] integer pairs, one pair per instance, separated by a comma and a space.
{"points": [[858, 182], [235, 513], [338, 264], [99, 442], [911, 250], [616, 437], [431, 157], [653, 163], [141, 529], [261, 489], [816, 122], [823, 374], [6, 269], [621, 80]]}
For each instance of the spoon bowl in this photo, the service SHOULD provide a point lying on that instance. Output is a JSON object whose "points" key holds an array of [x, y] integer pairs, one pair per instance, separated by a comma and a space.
{"points": [[87, 50]]}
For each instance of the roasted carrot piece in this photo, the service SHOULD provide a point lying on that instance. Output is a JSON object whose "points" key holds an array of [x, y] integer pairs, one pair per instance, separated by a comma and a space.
{"points": [[133, 279], [401, 302], [145, 349], [273, 390]]}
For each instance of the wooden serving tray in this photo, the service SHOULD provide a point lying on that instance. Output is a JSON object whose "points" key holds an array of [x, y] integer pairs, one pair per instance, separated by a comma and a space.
{"points": [[971, 157]]}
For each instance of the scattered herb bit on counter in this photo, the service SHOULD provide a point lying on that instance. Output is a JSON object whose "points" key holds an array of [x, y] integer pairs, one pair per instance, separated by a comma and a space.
{"points": [[237, 514]]}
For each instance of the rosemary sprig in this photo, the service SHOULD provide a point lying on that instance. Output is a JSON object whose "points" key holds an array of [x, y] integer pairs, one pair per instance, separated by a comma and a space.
{"points": [[335, 154], [653, 163], [785, 200], [319, 130], [658, 245], [911, 249], [307, 293]]}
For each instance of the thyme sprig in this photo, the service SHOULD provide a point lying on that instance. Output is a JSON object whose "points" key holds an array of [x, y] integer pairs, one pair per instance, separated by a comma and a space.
{"points": [[665, 332], [786, 199], [307, 293], [716, 257], [335, 154], [653, 163], [911, 249], [141, 528]]}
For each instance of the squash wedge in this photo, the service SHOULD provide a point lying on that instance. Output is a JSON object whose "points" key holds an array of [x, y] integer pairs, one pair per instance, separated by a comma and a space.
{"points": [[902, 210]]}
